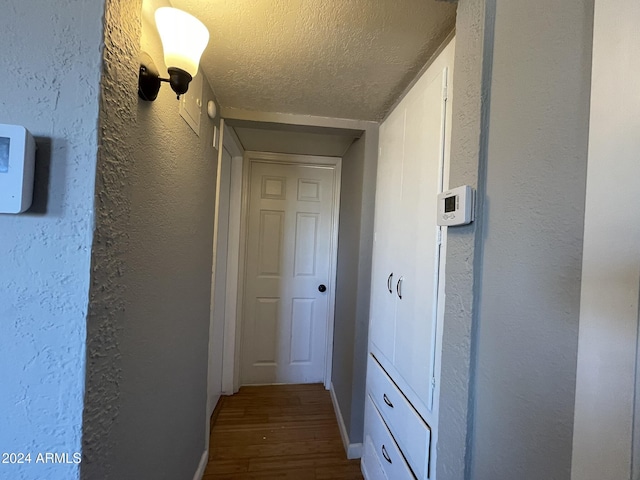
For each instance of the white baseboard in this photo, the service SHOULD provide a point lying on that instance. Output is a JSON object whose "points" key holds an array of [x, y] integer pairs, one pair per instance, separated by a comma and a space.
{"points": [[202, 466], [353, 450]]}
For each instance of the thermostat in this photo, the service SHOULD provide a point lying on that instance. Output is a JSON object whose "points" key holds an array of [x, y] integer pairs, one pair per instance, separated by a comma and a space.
{"points": [[456, 206], [17, 163]]}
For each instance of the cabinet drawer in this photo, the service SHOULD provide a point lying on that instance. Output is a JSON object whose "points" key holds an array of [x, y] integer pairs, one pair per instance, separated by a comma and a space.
{"points": [[371, 468], [381, 445], [411, 433]]}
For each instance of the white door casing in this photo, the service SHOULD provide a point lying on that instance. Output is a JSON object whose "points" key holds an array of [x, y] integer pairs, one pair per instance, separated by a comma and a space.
{"points": [[219, 274], [232, 300], [291, 215]]}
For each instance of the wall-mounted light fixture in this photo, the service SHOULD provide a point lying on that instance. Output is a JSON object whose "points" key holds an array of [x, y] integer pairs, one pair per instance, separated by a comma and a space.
{"points": [[184, 38]]}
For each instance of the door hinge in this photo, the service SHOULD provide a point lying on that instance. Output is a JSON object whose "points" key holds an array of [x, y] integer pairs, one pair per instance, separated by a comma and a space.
{"points": [[439, 236], [432, 392], [445, 92]]}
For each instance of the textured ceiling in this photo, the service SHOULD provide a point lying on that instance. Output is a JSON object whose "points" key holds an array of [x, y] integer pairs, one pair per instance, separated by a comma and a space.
{"points": [[333, 58]]}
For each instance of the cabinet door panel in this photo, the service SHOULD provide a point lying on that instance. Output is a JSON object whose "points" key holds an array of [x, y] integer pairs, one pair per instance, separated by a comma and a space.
{"points": [[384, 268], [421, 182]]}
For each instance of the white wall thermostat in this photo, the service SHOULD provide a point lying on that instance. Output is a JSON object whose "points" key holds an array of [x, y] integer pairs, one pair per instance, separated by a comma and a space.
{"points": [[456, 206], [17, 163]]}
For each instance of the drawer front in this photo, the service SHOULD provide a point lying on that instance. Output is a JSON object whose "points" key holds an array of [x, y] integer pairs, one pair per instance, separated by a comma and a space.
{"points": [[383, 446], [371, 468], [411, 433]]}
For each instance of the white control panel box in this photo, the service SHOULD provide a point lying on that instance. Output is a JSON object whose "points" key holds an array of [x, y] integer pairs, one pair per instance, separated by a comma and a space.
{"points": [[456, 206], [17, 164]]}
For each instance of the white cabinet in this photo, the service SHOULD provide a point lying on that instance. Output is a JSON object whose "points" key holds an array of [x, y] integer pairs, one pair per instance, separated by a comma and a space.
{"points": [[381, 454], [385, 271], [412, 170], [400, 416]]}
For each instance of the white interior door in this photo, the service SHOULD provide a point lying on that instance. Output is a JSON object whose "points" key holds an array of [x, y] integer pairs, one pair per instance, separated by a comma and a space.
{"points": [[290, 251]]}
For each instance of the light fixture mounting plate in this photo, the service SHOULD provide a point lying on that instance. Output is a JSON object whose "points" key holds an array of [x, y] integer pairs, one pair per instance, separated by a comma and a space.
{"points": [[149, 78]]}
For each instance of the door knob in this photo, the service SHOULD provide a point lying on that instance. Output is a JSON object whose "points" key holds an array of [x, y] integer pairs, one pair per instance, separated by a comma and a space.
{"points": [[322, 288]]}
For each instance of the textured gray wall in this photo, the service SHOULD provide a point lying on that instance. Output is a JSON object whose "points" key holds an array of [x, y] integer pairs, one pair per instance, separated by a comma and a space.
{"points": [[471, 81], [149, 323], [533, 228], [51, 63], [359, 166], [347, 277], [361, 346], [116, 159]]}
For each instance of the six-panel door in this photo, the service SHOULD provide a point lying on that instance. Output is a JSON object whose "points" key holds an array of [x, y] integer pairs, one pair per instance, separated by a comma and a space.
{"points": [[290, 221]]}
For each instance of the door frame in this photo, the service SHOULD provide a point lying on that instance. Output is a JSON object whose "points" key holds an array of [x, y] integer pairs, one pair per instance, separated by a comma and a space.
{"points": [[227, 142], [231, 144], [289, 159]]}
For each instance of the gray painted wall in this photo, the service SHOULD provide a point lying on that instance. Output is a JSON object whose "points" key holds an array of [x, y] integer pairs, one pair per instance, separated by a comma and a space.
{"points": [[360, 346], [51, 59], [354, 281], [606, 439], [471, 82], [513, 278], [533, 228], [347, 277], [148, 336]]}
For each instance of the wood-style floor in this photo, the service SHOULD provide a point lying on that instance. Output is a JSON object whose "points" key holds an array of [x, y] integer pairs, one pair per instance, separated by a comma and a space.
{"points": [[278, 431]]}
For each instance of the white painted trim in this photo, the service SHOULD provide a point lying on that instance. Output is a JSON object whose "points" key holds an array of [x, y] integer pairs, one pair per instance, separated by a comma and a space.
{"points": [[353, 450], [232, 142], [333, 275], [236, 115], [234, 147], [229, 386], [445, 167], [363, 469], [202, 466], [209, 403], [244, 219], [283, 158]]}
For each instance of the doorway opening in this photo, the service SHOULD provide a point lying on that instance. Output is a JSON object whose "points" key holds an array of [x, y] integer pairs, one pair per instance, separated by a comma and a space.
{"points": [[290, 236]]}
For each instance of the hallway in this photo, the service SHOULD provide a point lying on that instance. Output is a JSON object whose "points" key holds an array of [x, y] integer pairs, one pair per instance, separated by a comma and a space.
{"points": [[279, 431]]}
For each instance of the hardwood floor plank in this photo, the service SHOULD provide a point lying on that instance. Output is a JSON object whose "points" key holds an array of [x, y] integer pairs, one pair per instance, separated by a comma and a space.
{"points": [[278, 432], [276, 449], [298, 474]]}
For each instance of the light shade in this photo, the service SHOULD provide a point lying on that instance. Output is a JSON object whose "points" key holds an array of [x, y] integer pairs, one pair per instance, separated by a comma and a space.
{"points": [[184, 38]]}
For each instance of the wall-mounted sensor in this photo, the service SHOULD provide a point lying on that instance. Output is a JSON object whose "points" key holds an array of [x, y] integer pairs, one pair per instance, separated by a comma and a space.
{"points": [[17, 164], [211, 109], [456, 206]]}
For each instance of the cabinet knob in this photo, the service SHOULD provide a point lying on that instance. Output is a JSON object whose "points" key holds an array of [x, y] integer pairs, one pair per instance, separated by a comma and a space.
{"points": [[322, 288], [389, 282]]}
